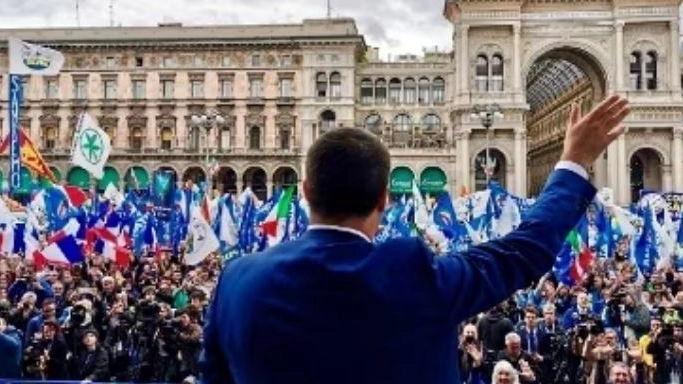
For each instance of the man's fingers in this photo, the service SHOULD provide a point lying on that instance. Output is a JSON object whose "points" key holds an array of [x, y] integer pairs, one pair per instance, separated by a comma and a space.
{"points": [[614, 111], [616, 119], [615, 132], [603, 106]]}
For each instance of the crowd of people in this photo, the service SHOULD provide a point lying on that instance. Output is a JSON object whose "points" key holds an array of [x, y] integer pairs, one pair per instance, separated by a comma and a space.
{"points": [[616, 326], [96, 322]]}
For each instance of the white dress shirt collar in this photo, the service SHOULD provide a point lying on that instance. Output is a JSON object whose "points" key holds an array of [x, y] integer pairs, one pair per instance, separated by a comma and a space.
{"points": [[339, 228]]}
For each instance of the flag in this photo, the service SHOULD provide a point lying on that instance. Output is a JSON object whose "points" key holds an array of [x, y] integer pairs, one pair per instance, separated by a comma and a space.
{"points": [[30, 157], [227, 227], [583, 256], [273, 226], [63, 249], [201, 239], [32, 59], [91, 147]]}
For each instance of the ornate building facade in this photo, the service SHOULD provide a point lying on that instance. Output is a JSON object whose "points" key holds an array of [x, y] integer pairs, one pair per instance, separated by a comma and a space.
{"points": [[278, 87]]}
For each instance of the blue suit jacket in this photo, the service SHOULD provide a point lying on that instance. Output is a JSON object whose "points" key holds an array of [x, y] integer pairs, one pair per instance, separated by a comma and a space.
{"points": [[332, 308]]}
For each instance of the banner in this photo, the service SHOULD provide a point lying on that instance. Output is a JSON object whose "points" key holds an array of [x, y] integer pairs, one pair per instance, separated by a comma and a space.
{"points": [[32, 59], [201, 239], [91, 147], [15, 96]]}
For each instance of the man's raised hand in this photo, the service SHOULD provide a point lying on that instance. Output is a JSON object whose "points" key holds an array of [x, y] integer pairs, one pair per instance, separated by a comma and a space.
{"points": [[588, 136]]}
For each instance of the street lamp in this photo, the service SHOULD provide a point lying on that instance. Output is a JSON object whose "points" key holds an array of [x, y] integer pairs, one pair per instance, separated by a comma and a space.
{"points": [[487, 114], [207, 122]]}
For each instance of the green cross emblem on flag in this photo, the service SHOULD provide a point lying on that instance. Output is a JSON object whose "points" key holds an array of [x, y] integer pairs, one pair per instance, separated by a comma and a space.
{"points": [[91, 145]]}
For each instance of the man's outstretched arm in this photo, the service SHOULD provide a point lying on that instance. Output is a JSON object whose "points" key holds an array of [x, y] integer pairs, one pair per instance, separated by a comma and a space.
{"points": [[486, 274]]}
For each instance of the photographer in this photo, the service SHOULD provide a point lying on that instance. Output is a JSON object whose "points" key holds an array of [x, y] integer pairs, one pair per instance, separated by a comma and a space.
{"points": [[190, 340], [119, 341], [667, 352], [471, 357], [92, 362], [55, 351], [552, 347]]}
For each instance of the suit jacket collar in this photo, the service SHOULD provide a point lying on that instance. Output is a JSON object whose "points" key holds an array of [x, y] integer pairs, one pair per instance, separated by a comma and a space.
{"points": [[338, 228]]}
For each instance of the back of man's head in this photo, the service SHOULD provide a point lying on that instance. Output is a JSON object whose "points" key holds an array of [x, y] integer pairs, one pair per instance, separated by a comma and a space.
{"points": [[347, 171]]}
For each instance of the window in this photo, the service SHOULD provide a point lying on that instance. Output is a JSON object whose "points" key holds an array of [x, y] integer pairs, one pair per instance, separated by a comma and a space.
{"points": [[110, 62], [136, 139], [111, 132], [168, 62], [438, 90], [138, 89], [285, 88], [256, 87], [226, 88], [651, 70], [286, 61], [255, 138], [335, 84], [424, 91], [373, 123], [255, 60], [402, 123], [224, 140], [482, 74], [197, 89], [497, 73], [380, 91], [366, 91], [226, 61], [51, 88], [285, 135], [636, 70], [195, 138], [166, 138], [80, 91], [328, 120], [409, 91], [321, 85], [167, 89], [431, 122], [139, 61], [50, 138], [394, 91], [110, 89]]}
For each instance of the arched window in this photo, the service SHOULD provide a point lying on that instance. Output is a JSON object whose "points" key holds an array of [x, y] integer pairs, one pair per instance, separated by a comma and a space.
{"points": [[409, 91], [373, 123], [646, 172], [380, 91], [335, 84], [255, 138], [166, 138], [394, 91], [482, 74], [651, 69], [402, 123], [321, 84], [328, 120], [431, 122], [50, 138], [497, 73], [424, 90], [366, 91], [493, 169], [636, 70], [439, 89]]}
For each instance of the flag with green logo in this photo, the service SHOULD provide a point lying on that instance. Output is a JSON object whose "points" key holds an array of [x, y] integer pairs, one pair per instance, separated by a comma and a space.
{"points": [[91, 146]]}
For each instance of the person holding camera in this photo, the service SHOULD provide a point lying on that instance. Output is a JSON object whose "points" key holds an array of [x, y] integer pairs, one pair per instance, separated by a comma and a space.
{"points": [[92, 362], [471, 356], [190, 341], [55, 352], [667, 353], [551, 346]]}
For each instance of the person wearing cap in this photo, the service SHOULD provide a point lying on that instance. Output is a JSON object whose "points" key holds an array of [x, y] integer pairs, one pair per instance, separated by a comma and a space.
{"points": [[92, 363]]}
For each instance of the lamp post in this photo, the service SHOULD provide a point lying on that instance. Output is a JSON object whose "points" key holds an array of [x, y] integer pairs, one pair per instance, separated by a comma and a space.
{"points": [[206, 122], [487, 114]]}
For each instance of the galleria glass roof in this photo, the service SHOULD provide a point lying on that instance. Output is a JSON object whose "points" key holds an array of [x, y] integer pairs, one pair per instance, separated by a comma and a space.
{"points": [[549, 79]]}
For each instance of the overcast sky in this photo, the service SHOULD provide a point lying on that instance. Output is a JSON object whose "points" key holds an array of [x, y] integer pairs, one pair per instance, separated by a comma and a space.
{"points": [[396, 26]]}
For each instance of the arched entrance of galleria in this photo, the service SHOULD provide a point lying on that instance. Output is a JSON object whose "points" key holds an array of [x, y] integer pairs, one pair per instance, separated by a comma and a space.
{"points": [[559, 78]]}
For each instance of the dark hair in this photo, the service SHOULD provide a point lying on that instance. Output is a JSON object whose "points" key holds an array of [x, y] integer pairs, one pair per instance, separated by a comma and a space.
{"points": [[347, 170], [530, 309]]}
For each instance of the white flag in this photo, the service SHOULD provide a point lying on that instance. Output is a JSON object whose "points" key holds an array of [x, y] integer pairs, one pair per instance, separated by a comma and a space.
{"points": [[32, 59], [201, 240], [91, 148]]}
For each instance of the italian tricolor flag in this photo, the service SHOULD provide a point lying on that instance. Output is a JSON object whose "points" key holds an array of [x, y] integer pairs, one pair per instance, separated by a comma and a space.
{"points": [[583, 256], [275, 224]]}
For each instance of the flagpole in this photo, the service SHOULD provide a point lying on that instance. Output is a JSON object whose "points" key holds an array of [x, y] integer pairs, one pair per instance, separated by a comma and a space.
{"points": [[15, 97]]}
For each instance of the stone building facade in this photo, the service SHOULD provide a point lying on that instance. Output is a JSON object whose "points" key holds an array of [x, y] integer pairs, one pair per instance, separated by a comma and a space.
{"points": [[278, 87]]}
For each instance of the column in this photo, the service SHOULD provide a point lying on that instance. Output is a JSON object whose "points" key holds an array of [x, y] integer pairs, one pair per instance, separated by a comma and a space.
{"points": [[677, 159], [612, 180], [622, 194], [517, 63], [619, 26], [464, 58], [520, 162], [675, 59], [666, 178], [464, 158]]}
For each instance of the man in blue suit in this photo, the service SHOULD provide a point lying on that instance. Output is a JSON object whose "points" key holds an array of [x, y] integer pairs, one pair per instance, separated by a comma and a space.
{"points": [[331, 307]]}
